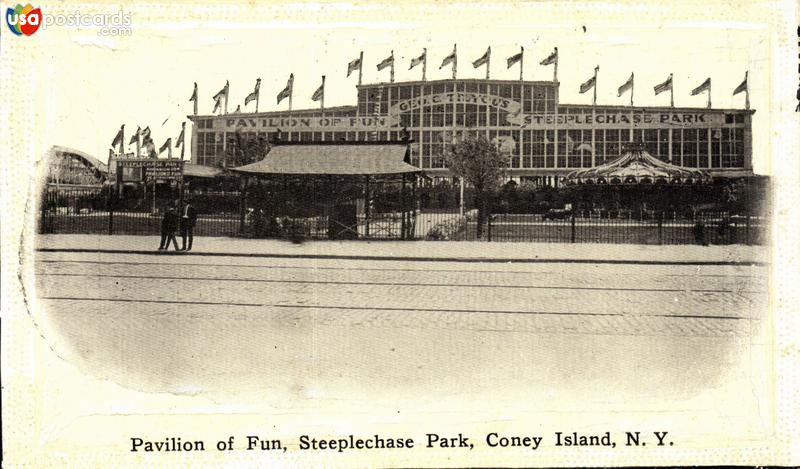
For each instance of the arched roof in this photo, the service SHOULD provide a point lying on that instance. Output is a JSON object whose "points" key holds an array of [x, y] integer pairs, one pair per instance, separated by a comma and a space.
{"points": [[87, 159], [637, 166]]}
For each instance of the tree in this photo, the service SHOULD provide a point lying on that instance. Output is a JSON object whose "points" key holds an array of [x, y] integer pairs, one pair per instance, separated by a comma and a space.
{"points": [[481, 165], [244, 151]]}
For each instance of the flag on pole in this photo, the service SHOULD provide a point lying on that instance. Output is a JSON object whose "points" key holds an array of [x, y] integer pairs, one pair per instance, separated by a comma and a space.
{"points": [[450, 59], [354, 65], [193, 99], [135, 137], [167, 144], [320, 93], [625, 87], [223, 93], [742, 87], [118, 138], [588, 84], [418, 60], [179, 141], [254, 95], [387, 62], [514, 59], [706, 85], [484, 59], [287, 92], [550, 59], [147, 142], [146, 135], [662, 87]]}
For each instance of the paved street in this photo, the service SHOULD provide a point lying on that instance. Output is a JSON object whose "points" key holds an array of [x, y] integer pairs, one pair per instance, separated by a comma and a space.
{"points": [[312, 327]]}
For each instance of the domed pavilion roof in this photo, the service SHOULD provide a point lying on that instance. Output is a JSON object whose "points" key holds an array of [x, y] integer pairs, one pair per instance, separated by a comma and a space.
{"points": [[637, 166]]}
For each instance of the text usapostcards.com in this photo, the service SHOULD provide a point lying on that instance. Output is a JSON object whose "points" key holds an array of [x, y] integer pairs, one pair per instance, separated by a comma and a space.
{"points": [[377, 442]]}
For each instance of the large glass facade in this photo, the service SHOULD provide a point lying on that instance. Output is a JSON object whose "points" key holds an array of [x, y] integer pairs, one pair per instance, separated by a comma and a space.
{"points": [[564, 137]]}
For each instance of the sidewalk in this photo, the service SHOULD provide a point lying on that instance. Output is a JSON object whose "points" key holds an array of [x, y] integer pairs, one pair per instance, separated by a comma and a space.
{"points": [[452, 251]]}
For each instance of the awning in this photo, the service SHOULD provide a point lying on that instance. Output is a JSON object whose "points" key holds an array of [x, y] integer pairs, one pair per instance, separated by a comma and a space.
{"points": [[333, 159], [200, 171], [637, 166]]}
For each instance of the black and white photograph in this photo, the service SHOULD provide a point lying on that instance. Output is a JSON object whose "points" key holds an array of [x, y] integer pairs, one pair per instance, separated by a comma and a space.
{"points": [[456, 234]]}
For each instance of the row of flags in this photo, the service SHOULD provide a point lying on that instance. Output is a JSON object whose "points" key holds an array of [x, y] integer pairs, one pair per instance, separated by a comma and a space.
{"points": [[221, 97], [451, 60], [591, 84], [143, 140]]}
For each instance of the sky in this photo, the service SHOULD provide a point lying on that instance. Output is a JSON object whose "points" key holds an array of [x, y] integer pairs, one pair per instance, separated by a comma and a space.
{"points": [[88, 84]]}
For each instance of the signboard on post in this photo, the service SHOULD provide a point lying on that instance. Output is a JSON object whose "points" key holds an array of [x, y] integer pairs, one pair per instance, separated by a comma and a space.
{"points": [[152, 170], [164, 171]]}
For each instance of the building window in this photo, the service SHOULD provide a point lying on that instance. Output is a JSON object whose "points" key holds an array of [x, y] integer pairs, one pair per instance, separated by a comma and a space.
{"points": [[613, 147], [650, 139], [549, 145], [702, 148], [599, 146], [690, 148]]}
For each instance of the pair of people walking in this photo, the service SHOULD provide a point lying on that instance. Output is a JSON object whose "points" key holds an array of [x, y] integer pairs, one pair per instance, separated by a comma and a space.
{"points": [[172, 220]]}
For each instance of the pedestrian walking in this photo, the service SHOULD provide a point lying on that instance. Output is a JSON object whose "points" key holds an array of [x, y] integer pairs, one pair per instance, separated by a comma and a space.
{"points": [[169, 223], [188, 220]]}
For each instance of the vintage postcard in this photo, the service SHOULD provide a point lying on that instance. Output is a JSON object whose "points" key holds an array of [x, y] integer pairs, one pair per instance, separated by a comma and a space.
{"points": [[399, 234]]}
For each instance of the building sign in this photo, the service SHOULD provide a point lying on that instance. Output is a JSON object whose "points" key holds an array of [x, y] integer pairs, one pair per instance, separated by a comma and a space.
{"points": [[160, 170], [615, 119], [321, 124], [166, 170], [602, 118], [499, 102]]}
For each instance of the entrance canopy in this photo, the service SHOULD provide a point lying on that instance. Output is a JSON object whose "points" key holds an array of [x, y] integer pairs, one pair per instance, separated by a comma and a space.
{"points": [[637, 167], [334, 158]]}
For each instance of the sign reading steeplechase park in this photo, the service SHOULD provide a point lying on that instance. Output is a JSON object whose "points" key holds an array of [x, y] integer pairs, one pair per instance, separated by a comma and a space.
{"points": [[513, 115], [159, 170]]}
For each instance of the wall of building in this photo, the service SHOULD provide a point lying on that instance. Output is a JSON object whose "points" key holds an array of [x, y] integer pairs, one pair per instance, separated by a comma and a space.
{"points": [[540, 136]]}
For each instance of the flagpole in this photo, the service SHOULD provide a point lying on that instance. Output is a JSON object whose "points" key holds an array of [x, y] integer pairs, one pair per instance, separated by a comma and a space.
{"points": [[139, 140], [195, 104], [746, 91], [555, 66], [455, 60], [322, 99], [360, 66], [258, 95], [521, 58], [671, 91], [391, 70], [630, 137], [488, 61], [227, 93], [594, 88], [709, 94], [183, 132], [122, 141], [632, 84], [424, 62]]}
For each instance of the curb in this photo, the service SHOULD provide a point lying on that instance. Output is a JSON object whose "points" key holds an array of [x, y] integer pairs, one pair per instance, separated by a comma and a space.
{"points": [[535, 260]]}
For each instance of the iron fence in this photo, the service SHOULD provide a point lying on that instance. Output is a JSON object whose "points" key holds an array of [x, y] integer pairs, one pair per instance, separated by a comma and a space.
{"points": [[93, 212]]}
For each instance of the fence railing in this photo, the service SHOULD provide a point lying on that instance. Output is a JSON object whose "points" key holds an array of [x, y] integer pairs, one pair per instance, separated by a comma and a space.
{"points": [[89, 213]]}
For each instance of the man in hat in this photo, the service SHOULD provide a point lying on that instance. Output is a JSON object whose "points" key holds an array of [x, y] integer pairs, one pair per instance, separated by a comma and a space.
{"points": [[188, 220]]}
